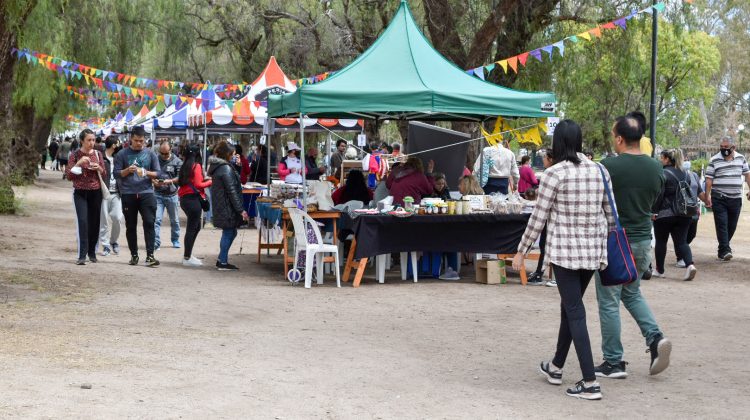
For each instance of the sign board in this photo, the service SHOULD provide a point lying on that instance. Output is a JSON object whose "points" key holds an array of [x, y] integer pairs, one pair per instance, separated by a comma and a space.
{"points": [[548, 107], [361, 140], [551, 124], [477, 202]]}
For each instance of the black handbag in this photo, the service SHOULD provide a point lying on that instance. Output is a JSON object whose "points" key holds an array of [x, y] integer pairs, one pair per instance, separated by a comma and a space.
{"points": [[205, 205]]}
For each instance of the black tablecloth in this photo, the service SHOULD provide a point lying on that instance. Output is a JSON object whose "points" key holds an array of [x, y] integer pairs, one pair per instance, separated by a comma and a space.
{"points": [[487, 233]]}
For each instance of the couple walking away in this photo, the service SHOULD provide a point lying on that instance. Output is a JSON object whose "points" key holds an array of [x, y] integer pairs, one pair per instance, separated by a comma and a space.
{"points": [[572, 202]]}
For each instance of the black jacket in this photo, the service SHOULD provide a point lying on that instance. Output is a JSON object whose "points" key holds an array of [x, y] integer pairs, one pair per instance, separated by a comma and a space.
{"points": [[259, 169], [226, 194], [665, 202], [313, 171]]}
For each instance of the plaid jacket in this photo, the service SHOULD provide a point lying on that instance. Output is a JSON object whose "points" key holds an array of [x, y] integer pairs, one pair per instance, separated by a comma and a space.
{"points": [[573, 204]]}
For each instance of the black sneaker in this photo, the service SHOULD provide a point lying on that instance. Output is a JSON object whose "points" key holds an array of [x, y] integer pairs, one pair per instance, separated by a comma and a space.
{"points": [[116, 249], [593, 392], [660, 350], [726, 256], [647, 275], [151, 261], [81, 261], [535, 279], [226, 267], [608, 370], [134, 260], [93, 259], [555, 378]]}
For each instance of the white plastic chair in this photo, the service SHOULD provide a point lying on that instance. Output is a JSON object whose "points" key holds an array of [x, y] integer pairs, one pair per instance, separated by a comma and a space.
{"points": [[301, 220], [347, 207]]}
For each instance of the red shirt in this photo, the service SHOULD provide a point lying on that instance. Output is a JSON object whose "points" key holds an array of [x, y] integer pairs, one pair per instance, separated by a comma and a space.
{"points": [[88, 179], [196, 179]]}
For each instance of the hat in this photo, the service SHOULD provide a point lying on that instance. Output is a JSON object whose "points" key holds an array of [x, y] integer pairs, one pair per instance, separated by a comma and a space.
{"points": [[292, 146]]}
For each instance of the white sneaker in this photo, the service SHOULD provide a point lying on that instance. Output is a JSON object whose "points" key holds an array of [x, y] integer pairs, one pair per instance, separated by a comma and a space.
{"points": [[659, 275], [192, 262], [680, 264], [450, 274], [551, 283], [690, 272]]}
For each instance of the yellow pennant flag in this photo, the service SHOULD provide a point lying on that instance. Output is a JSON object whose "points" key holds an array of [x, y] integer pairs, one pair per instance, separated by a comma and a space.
{"points": [[504, 65], [496, 136], [584, 35]]}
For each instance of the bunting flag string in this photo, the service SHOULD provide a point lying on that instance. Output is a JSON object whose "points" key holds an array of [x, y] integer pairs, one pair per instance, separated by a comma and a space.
{"points": [[79, 71], [549, 50]]}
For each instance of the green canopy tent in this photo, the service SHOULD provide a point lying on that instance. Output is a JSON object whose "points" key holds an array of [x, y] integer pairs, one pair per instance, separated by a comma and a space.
{"points": [[401, 76]]}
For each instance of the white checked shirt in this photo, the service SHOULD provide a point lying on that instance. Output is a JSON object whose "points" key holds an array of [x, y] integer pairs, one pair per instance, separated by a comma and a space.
{"points": [[573, 204]]}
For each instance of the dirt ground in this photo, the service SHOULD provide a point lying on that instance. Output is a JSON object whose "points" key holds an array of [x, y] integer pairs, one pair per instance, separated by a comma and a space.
{"points": [[174, 342]]}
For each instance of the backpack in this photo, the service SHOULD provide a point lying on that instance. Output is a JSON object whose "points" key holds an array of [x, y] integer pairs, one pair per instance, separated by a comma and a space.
{"points": [[685, 203]]}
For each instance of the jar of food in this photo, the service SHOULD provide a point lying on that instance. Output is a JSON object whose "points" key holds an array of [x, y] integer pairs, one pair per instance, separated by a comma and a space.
{"points": [[409, 203], [466, 204]]}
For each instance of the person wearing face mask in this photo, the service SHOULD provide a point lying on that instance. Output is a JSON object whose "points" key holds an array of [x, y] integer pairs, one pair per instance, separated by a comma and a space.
{"points": [[166, 194], [724, 177]]}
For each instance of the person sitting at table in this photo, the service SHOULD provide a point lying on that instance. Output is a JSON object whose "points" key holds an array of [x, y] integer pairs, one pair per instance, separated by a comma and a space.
{"points": [[441, 187], [409, 180], [468, 185], [290, 167], [528, 177], [354, 189]]}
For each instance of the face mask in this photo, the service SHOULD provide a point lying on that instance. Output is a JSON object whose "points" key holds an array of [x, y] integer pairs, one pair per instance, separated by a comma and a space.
{"points": [[725, 152]]}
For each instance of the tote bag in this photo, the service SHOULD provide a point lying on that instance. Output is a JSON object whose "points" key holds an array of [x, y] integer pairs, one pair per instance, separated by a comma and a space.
{"points": [[621, 268]]}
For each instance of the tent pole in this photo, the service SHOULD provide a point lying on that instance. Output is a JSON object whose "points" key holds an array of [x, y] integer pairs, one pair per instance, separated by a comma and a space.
{"points": [[268, 162], [205, 146], [304, 160], [652, 105]]}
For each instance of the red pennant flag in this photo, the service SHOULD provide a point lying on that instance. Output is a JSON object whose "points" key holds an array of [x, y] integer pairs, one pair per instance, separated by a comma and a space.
{"points": [[120, 76], [522, 58], [609, 25]]}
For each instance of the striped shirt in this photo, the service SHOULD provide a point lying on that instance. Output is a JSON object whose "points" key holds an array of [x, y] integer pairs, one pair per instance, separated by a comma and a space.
{"points": [[727, 175], [573, 204]]}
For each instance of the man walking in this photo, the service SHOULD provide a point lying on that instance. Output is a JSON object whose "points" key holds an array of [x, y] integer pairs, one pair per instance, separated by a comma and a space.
{"points": [[111, 217], [166, 193], [724, 192], [52, 149], [135, 167], [637, 181], [62, 154]]}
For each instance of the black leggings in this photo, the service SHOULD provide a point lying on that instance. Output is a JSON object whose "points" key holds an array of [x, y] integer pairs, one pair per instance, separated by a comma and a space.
{"points": [[191, 205], [678, 227], [542, 248], [88, 204], [145, 204], [572, 285]]}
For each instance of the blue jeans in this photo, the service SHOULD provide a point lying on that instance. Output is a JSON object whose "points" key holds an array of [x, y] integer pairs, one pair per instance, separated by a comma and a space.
{"points": [[171, 203], [227, 237], [726, 214], [496, 185], [609, 298]]}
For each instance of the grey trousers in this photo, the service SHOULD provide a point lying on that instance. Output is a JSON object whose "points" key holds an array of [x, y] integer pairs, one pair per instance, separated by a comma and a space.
{"points": [[111, 220]]}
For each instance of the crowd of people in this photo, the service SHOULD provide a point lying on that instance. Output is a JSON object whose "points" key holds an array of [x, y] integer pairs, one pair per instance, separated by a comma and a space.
{"points": [[655, 199]]}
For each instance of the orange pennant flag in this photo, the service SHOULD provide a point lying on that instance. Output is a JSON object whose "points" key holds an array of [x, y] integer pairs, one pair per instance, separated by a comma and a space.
{"points": [[597, 32], [513, 62]]}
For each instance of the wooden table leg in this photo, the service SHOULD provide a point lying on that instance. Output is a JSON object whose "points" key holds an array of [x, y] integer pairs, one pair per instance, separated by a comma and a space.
{"points": [[522, 272], [349, 261], [360, 272]]}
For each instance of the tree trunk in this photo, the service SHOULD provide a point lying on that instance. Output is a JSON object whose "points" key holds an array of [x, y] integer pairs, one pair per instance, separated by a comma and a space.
{"points": [[7, 63], [24, 154]]}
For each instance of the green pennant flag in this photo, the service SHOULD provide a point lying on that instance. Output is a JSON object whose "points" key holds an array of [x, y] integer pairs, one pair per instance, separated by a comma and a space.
{"points": [[659, 7], [573, 38]]}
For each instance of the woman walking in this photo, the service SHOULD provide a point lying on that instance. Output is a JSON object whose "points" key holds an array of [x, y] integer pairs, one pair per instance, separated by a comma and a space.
{"points": [[191, 192], [86, 169], [226, 201], [667, 221], [573, 204]]}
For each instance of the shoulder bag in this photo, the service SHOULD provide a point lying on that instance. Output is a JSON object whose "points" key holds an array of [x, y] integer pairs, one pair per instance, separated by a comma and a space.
{"points": [[621, 268], [102, 185]]}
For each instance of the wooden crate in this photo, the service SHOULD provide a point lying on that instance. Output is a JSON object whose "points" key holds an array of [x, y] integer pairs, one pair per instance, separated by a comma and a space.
{"points": [[489, 271]]}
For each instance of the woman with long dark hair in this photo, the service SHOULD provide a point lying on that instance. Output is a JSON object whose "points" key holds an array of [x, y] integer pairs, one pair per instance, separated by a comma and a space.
{"points": [[667, 221], [193, 183], [86, 169], [226, 200], [354, 189], [573, 204]]}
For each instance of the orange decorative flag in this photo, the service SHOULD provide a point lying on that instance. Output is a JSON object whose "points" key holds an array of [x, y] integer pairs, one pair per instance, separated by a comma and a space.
{"points": [[597, 32], [513, 62]]}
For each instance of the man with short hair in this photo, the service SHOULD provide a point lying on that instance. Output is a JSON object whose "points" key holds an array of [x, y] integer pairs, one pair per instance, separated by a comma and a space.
{"points": [[166, 187], [724, 177], [111, 215], [313, 171], [63, 153], [637, 181], [338, 158], [135, 167]]}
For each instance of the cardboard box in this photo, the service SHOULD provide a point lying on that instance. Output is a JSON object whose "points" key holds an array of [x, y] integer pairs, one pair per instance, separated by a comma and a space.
{"points": [[490, 271]]}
